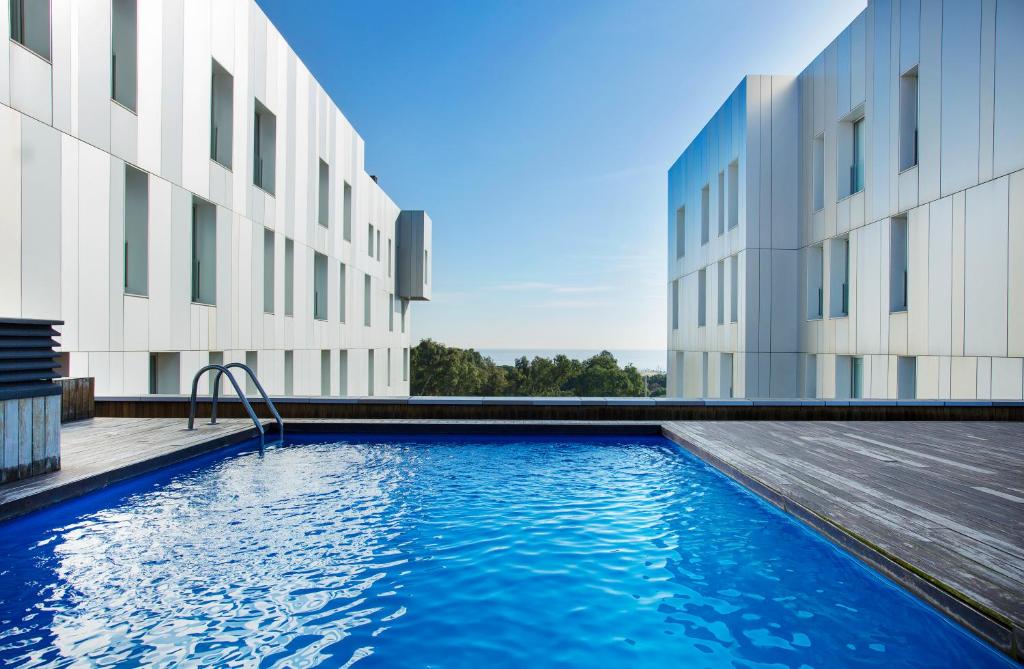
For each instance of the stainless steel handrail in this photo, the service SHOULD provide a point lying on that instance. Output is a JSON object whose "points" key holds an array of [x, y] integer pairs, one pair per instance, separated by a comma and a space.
{"points": [[195, 387], [255, 381]]}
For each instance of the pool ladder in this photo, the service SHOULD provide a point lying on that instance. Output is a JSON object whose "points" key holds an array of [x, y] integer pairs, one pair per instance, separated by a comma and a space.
{"points": [[222, 370]]}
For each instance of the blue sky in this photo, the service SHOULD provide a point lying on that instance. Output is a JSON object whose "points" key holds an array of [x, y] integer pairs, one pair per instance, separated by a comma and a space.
{"points": [[537, 134]]}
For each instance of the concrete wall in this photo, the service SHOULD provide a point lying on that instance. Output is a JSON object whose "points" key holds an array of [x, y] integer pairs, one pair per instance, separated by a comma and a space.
{"points": [[64, 144], [963, 201]]}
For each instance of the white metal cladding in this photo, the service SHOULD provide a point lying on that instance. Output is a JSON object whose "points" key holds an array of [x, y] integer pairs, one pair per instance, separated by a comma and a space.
{"points": [[959, 331], [64, 145]]}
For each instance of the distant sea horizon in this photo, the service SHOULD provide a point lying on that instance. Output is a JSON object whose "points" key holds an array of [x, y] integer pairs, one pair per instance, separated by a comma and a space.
{"points": [[642, 359]]}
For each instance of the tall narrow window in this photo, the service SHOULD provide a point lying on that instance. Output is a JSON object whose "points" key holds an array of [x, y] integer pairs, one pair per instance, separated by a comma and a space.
{"points": [[857, 167], [323, 214], [378, 245], [391, 313], [319, 286], [204, 252], [906, 378], [856, 378], [30, 25], [705, 215], [268, 271], [908, 119], [367, 301], [252, 359], [369, 239], [818, 168], [725, 388], [839, 283], [123, 52], [136, 231], [675, 304], [165, 373], [702, 298], [721, 203], [342, 294], [405, 365], [289, 372], [343, 373], [815, 282], [389, 257], [898, 264], [405, 311], [734, 194], [734, 288], [325, 373], [370, 372], [721, 292], [289, 277], [222, 106], [387, 371], [264, 147], [680, 232], [347, 213]]}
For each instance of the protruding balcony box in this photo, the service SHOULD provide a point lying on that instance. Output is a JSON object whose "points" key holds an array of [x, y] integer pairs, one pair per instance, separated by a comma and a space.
{"points": [[414, 255], [29, 399]]}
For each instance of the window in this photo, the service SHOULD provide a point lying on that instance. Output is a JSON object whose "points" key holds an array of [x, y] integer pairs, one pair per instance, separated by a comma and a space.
{"points": [[721, 203], [289, 277], [705, 215], [369, 373], [405, 365], [252, 362], [378, 245], [704, 374], [325, 373], [30, 25], [734, 288], [268, 271], [721, 292], [405, 310], [319, 286], [856, 378], [264, 145], [815, 282], [389, 257], [342, 297], [818, 166], [367, 301], [347, 213], [391, 313], [857, 166], [204, 252], [323, 212], [164, 373], [702, 298], [675, 304], [725, 388], [906, 378], [387, 370], [289, 372], [734, 194], [898, 264], [136, 231], [839, 285], [680, 232], [908, 119], [343, 373], [123, 52], [369, 239], [222, 106]]}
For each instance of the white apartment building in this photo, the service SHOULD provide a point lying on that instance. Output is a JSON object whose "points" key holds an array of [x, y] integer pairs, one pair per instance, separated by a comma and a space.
{"points": [[179, 190], [857, 231]]}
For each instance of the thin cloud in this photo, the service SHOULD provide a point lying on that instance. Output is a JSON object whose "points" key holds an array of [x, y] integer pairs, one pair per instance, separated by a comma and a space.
{"points": [[540, 286]]}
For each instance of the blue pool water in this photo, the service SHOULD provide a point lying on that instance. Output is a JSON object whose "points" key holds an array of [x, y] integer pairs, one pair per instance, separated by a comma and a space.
{"points": [[449, 552]]}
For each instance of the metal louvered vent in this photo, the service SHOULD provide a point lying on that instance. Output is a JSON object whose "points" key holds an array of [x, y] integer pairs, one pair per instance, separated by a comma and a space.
{"points": [[28, 362]]}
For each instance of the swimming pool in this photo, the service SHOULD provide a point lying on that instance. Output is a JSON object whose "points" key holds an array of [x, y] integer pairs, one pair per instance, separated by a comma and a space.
{"points": [[463, 551]]}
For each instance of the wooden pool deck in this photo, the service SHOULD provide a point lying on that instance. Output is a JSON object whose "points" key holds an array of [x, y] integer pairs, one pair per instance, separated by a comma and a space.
{"points": [[944, 501], [937, 506]]}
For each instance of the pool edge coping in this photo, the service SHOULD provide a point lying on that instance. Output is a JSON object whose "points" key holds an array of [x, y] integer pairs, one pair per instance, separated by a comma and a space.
{"points": [[995, 629]]}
